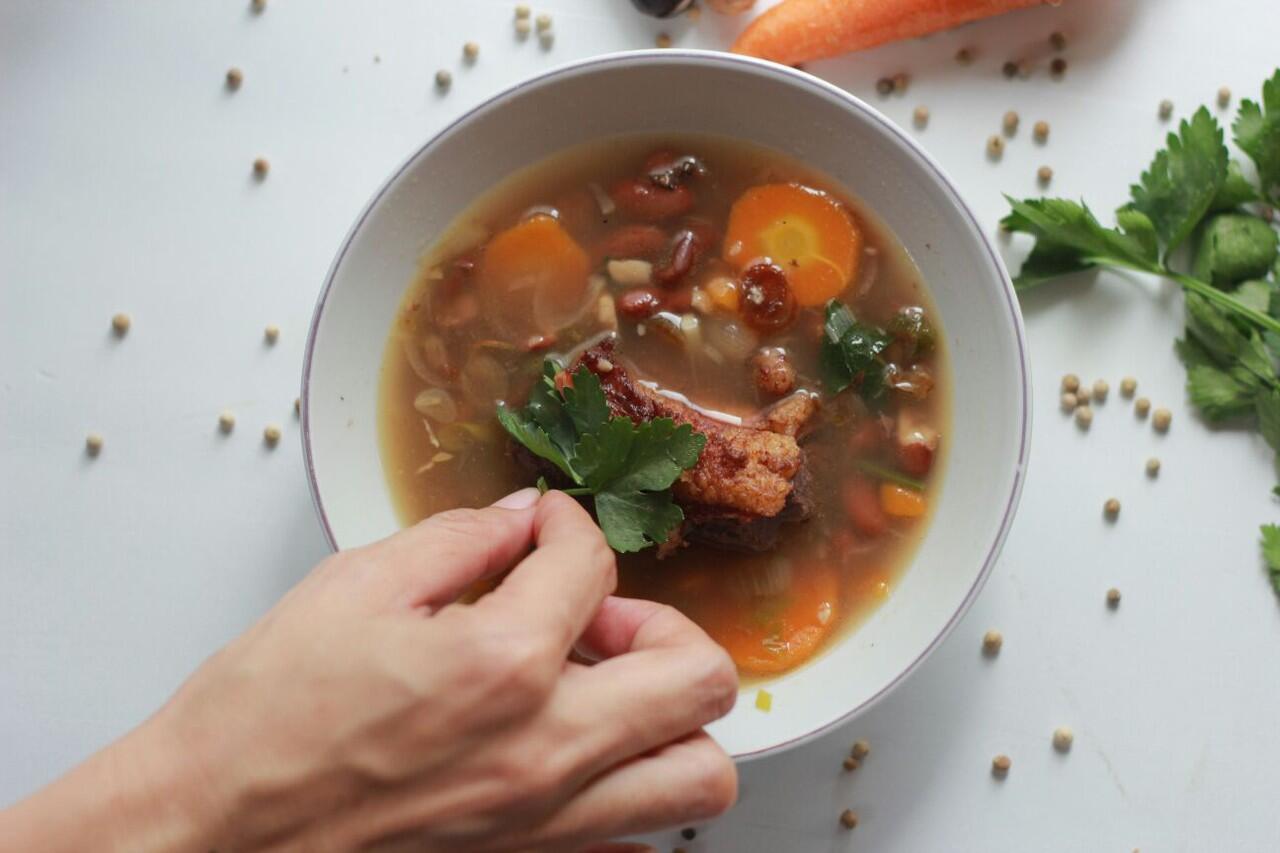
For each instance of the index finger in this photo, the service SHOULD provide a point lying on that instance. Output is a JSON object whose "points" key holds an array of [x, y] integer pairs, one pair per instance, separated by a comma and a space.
{"points": [[559, 587]]}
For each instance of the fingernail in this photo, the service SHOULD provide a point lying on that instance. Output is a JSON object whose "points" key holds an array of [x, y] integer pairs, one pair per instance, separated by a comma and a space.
{"points": [[522, 499]]}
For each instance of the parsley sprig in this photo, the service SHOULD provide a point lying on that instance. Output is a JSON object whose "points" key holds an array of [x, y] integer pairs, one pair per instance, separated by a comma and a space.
{"points": [[850, 354], [1193, 193], [627, 469]]}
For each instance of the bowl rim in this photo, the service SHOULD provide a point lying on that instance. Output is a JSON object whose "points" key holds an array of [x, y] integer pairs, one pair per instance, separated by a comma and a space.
{"points": [[794, 77]]}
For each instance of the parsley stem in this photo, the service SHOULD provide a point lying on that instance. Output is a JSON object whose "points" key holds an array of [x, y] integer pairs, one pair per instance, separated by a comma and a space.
{"points": [[1226, 300], [866, 466], [577, 492]]}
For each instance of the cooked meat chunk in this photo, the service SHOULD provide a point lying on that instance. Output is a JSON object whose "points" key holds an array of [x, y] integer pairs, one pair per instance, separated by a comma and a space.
{"points": [[773, 372]]}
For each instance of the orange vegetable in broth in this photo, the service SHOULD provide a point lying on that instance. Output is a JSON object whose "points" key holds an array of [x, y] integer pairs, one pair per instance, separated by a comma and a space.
{"points": [[686, 321], [533, 276], [807, 233]]}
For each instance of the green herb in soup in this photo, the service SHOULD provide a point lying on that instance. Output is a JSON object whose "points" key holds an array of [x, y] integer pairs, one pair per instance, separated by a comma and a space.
{"points": [[737, 368]]}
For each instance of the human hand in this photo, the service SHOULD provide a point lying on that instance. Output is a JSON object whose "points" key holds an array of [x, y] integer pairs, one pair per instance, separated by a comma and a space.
{"points": [[367, 709]]}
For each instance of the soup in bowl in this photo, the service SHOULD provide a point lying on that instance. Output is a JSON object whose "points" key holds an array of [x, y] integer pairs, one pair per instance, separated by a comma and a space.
{"points": [[735, 342]]}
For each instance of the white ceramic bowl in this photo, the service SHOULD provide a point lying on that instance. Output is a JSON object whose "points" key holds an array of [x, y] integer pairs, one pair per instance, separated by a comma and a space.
{"points": [[767, 104]]}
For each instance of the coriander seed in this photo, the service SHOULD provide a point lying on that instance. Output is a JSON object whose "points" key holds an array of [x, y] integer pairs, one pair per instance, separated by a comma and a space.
{"points": [[1000, 766], [271, 435], [1070, 382], [884, 86], [1040, 130], [470, 51], [1058, 66], [522, 12], [1166, 109], [1084, 416], [861, 749], [1010, 123], [1024, 68], [1113, 598], [1111, 508], [1044, 175], [995, 147], [443, 79], [1141, 406], [848, 819], [93, 444], [1082, 395], [260, 168], [1069, 402], [900, 82], [1009, 69], [258, 6], [1057, 40], [964, 55], [234, 78], [271, 333], [1100, 390], [662, 40], [120, 324], [226, 422], [1153, 467], [850, 763], [1224, 96], [1127, 386], [542, 22], [546, 39], [1161, 419], [297, 407], [523, 28], [921, 116], [991, 642], [1062, 738]]}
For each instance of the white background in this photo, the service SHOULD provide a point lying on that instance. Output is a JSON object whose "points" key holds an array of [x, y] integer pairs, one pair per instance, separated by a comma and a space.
{"points": [[125, 186]]}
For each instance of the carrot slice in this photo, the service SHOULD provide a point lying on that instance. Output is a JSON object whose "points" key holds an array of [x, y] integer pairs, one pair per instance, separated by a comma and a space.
{"points": [[533, 276], [802, 30], [900, 501], [807, 233], [781, 631]]}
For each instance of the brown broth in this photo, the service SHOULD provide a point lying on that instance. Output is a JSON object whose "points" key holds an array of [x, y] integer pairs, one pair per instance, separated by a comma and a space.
{"points": [[734, 596]]}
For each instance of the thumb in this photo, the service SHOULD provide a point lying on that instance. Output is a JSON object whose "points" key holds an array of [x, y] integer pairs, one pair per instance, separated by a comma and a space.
{"points": [[433, 562]]}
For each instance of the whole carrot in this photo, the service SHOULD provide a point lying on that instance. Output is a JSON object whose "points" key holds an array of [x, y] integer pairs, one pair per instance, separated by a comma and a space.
{"points": [[801, 30]]}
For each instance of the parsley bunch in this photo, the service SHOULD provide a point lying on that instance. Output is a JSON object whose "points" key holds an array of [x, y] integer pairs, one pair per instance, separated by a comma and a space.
{"points": [[627, 469], [1193, 194]]}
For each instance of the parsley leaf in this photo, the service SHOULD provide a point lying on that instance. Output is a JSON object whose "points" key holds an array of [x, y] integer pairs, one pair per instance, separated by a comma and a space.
{"points": [[851, 353], [1235, 190], [1268, 407], [1177, 189], [1271, 552], [1219, 394], [628, 469], [1069, 238], [1257, 132]]}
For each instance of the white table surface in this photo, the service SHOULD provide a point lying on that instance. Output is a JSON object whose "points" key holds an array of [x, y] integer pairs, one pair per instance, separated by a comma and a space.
{"points": [[125, 186]]}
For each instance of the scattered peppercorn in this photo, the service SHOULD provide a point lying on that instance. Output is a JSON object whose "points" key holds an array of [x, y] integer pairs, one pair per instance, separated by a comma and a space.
{"points": [[1166, 109], [1153, 467], [1044, 174], [546, 39], [861, 749], [271, 435], [1062, 738], [297, 407], [995, 147], [523, 27], [1127, 386], [443, 79], [884, 86], [1058, 66], [1113, 598], [1000, 766], [1082, 395], [1111, 508], [1040, 130], [226, 422], [234, 78], [964, 55], [258, 6], [848, 819], [1009, 69], [93, 444], [1069, 402], [688, 833], [120, 324], [1161, 420], [470, 51], [663, 40], [542, 22], [991, 642], [1100, 390], [522, 12], [271, 333], [850, 763], [1070, 382], [1024, 68], [921, 116], [900, 82], [1084, 416], [261, 167], [1141, 406], [1010, 123], [1057, 40], [1224, 96]]}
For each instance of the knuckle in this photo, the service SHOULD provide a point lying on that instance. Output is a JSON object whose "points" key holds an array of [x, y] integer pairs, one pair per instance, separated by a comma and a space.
{"points": [[516, 667]]}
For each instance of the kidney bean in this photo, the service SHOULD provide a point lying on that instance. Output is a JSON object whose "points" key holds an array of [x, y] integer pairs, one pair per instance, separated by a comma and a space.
{"points": [[639, 303], [645, 242], [688, 247], [767, 303], [915, 459], [669, 170], [862, 503], [641, 199], [678, 301]]}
